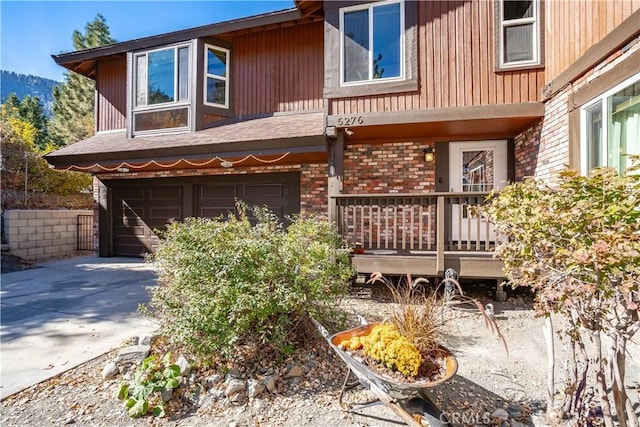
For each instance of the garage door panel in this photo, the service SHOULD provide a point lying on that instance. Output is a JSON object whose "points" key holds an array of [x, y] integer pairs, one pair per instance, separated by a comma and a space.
{"points": [[263, 191], [212, 192], [126, 231], [165, 213], [216, 212], [168, 192], [129, 194]]}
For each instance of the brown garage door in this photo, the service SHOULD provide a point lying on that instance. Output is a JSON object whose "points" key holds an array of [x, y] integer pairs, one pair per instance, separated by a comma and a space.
{"points": [[144, 206], [140, 210]]}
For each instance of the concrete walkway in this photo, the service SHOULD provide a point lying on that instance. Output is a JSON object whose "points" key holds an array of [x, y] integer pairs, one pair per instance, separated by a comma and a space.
{"points": [[67, 312]]}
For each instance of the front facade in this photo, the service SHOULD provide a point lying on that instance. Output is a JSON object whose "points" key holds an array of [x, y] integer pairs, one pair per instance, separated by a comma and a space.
{"points": [[391, 117]]}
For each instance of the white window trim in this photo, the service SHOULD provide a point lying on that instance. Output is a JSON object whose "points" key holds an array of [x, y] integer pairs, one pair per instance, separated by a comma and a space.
{"points": [[165, 105], [371, 80], [604, 154], [535, 38], [215, 76]]}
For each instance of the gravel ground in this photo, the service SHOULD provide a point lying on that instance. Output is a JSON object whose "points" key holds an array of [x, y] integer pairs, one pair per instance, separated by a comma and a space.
{"points": [[490, 382]]}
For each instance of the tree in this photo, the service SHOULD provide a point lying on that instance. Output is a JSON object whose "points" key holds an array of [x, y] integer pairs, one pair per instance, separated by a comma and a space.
{"points": [[577, 244], [74, 99], [27, 180]]}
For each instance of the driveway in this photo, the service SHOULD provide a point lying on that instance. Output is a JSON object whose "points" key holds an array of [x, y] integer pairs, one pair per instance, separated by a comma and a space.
{"points": [[67, 312]]}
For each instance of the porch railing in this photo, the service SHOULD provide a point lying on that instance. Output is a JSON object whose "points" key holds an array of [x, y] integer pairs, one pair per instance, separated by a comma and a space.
{"points": [[414, 223]]}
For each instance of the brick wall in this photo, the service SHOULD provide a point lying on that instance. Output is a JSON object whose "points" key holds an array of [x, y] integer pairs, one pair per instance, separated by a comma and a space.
{"points": [[543, 149], [42, 234], [395, 167]]}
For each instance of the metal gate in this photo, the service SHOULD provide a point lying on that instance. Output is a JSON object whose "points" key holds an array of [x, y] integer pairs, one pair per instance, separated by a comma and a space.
{"points": [[85, 233]]}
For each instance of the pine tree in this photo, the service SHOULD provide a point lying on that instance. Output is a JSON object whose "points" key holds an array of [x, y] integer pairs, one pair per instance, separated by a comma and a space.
{"points": [[74, 99]]}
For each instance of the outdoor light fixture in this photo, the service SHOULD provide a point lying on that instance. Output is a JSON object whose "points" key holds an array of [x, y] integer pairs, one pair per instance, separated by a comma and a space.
{"points": [[429, 154], [123, 170], [226, 164]]}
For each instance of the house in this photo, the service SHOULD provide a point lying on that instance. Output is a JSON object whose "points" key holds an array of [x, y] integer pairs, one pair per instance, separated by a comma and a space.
{"points": [[391, 117]]}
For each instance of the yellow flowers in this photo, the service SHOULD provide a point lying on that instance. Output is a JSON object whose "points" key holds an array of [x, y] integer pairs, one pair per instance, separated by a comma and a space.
{"points": [[385, 345]]}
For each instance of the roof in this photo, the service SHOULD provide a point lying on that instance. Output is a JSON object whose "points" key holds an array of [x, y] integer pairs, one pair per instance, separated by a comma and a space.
{"points": [[240, 139], [83, 61]]}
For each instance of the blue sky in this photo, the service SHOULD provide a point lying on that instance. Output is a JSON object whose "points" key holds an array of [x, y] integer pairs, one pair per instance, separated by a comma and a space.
{"points": [[31, 31]]}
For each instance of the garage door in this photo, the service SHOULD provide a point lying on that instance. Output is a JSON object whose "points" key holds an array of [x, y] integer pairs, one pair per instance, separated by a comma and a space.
{"points": [[140, 210], [144, 205]]}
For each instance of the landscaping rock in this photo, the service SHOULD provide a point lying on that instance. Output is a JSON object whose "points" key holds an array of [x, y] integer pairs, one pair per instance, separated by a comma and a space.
{"points": [[254, 388], [145, 339], [184, 365], [110, 370], [294, 371], [234, 386], [501, 414], [133, 354], [270, 382]]}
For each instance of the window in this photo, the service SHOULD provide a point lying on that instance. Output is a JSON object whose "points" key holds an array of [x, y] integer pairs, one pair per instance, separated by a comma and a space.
{"points": [[371, 42], [519, 33], [161, 89], [216, 85], [611, 127]]}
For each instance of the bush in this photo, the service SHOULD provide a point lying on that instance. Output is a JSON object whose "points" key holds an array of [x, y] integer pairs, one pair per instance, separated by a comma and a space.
{"points": [[223, 280]]}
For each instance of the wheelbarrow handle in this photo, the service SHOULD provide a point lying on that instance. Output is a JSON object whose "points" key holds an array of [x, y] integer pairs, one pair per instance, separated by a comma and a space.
{"points": [[323, 331]]}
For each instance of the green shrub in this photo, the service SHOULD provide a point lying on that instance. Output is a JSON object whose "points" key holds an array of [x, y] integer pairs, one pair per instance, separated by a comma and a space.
{"points": [[221, 280], [143, 394]]}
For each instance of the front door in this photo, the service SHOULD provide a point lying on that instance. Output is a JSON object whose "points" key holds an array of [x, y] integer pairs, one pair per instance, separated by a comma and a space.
{"points": [[475, 166]]}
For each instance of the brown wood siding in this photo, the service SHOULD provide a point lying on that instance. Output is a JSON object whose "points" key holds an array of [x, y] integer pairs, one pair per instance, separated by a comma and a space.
{"points": [[456, 65], [572, 27], [111, 102], [277, 71]]}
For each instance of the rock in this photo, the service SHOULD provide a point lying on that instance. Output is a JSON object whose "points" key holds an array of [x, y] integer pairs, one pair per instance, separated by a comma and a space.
{"points": [[294, 371], [234, 373], [167, 395], [501, 414], [110, 370], [270, 382], [254, 388], [259, 404], [213, 380], [237, 397], [145, 339], [184, 365], [515, 423], [234, 386], [133, 354]]}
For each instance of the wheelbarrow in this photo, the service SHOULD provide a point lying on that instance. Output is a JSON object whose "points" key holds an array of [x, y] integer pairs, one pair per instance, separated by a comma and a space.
{"points": [[408, 400]]}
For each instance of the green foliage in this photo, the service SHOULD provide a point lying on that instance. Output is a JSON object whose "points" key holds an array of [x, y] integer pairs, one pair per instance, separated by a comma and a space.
{"points": [[144, 393], [576, 242], [224, 280], [22, 164], [74, 99]]}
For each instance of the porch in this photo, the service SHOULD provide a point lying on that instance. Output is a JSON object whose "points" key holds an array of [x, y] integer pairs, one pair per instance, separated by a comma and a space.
{"points": [[422, 234]]}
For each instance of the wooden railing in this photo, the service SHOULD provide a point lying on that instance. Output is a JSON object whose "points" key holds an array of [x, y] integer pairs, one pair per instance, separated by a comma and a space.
{"points": [[414, 224]]}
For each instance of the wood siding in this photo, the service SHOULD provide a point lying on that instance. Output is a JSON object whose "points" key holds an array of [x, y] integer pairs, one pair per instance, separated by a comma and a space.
{"points": [[572, 27], [111, 102], [455, 65], [277, 71]]}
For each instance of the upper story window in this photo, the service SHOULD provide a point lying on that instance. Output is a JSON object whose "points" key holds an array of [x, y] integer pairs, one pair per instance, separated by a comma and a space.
{"points": [[610, 127], [161, 89], [372, 42], [518, 33], [216, 85]]}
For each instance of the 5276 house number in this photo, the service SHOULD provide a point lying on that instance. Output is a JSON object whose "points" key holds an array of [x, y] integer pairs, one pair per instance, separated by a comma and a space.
{"points": [[350, 120]]}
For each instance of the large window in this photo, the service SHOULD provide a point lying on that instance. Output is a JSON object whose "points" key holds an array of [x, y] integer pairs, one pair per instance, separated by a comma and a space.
{"points": [[519, 33], [216, 85], [161, 89], [611, 127], [371, 42]]}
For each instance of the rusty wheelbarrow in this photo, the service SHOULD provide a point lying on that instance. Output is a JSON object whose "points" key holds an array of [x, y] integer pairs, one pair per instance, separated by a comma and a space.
{"points": [[408, 400]]}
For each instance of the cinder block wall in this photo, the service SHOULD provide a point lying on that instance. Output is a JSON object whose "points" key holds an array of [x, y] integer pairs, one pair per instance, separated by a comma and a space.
{"points": [[42, 234]]}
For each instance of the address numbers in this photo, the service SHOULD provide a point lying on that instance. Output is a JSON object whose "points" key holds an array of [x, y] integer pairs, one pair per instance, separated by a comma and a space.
{"points": [[350, 120]]}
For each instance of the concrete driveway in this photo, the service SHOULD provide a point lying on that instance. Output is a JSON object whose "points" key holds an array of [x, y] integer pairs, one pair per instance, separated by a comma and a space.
{"points": [[67, 312]]}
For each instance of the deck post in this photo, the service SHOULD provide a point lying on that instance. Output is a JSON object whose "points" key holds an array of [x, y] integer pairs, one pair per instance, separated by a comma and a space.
{"points": [[335, 173], [440, 235]]}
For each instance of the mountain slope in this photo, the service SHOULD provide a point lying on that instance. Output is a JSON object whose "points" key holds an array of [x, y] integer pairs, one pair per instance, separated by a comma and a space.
{"points": [[24, 85]]}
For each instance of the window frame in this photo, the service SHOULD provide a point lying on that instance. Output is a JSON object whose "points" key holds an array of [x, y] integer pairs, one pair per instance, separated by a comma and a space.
{"points": [[537, 37], [226, 78], [370, 7], [601, 100], [135, 109]]}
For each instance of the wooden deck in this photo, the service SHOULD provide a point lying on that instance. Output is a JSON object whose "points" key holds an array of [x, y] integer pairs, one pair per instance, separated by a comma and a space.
{"points": [[422, 234]]}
